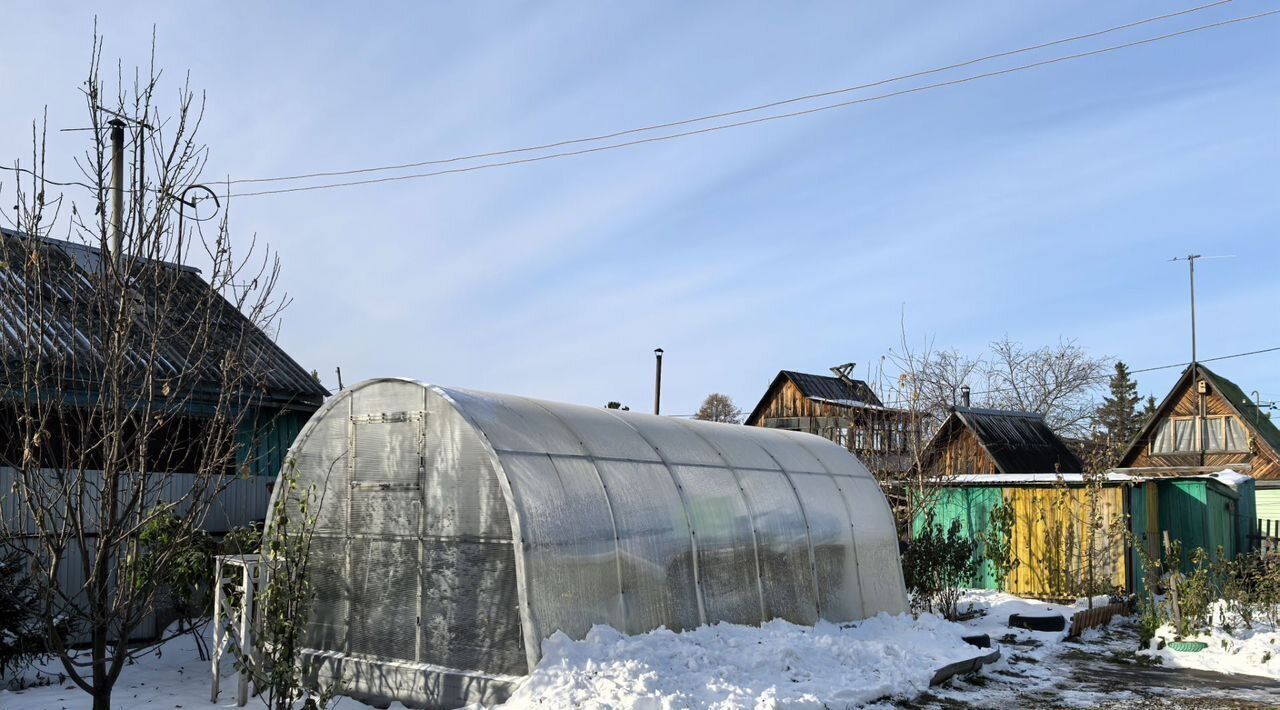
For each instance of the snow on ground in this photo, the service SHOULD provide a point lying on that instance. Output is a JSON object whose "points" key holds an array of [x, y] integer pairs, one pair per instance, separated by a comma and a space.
{"points": [[1100, 669], [886, 661], [173, 678], [730, 666], [1248, 651]]}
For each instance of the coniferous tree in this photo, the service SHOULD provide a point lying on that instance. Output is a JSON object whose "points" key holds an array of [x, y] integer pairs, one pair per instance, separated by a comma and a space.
{"points": [[1148, 408], [1118, 414]]}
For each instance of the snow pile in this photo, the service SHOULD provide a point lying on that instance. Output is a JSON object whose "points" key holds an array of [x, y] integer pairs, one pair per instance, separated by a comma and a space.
{"points": [[732, 666], [1230, 478], [1238, 650]]}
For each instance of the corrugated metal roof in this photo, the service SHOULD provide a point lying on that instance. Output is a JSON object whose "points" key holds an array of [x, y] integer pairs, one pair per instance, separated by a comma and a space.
{"points": [[821, 388], [832, 388], [1019, 442], [67, 338]]}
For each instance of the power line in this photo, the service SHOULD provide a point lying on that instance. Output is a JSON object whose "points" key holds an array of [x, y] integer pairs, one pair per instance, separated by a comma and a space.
{"points": [[895, 403], [1100, 378], [45, 180], [736, 112], [763, 119]]}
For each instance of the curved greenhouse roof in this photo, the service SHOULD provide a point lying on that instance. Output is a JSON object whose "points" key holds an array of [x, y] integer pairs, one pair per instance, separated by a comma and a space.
{"points": [[457, 529]]}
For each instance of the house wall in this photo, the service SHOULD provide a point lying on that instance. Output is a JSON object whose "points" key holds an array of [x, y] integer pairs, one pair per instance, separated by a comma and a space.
{"points": [[868, 433], [961, 454], [1269, 505], [1264, 463], [789, 402], [243, 502], [264, 439]]}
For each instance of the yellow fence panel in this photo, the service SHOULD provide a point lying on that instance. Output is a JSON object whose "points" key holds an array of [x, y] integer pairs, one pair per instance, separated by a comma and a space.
{"points": [[1055, 530]]}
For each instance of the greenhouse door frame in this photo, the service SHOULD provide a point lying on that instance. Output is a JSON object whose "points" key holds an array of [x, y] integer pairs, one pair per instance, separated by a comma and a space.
{"points": [[387, 484]]}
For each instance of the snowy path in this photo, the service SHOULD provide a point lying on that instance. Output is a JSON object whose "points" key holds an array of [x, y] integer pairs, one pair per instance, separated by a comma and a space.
{"points": [[1102, 671]]}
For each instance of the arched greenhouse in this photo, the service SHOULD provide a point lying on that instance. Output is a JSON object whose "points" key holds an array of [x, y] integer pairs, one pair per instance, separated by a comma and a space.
{"points": [[458, 529]]}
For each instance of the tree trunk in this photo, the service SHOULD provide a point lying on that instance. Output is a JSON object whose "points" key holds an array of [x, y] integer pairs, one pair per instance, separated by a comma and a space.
{"points": [[101, 692]]}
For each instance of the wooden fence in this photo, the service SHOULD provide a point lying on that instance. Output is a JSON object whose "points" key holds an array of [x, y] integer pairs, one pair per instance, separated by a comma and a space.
{"points": [[1265, 536], [243, 502]]}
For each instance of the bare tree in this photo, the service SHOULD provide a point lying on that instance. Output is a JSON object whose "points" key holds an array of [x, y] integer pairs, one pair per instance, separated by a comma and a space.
{"points": [[125, 376], [1060, 381], [923, 389], [719, 408]]}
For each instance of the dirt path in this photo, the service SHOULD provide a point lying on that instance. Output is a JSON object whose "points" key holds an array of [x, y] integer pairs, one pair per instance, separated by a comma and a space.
{"points": [[1102, 673]]}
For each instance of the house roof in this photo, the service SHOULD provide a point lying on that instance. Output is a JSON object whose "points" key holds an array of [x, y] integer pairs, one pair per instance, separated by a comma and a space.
{"points": [[1250, 414], [70, 275], [822, 388], [1018, 442]]}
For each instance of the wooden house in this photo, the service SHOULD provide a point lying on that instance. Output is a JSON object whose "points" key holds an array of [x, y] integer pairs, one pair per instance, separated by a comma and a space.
{"points": [[842, 409], [990, 441], [1207, 423], [165, 366], [284, 393]]}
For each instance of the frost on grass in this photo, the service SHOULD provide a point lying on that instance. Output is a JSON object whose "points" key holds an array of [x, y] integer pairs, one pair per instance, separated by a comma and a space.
{"points": [[732, 666]]}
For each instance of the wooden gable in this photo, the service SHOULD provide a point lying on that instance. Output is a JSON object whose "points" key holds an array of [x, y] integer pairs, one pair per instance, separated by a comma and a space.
{"points": [[784, 399], [1186, 403], [955, 450]]}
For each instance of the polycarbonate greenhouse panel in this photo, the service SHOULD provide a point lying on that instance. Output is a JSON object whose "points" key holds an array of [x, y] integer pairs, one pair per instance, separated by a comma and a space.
{"points": [[458, 529], [834, 550]]}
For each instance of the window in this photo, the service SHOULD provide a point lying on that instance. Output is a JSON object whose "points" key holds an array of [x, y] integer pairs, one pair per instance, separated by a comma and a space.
{"points": [[1224, 434], [1220, 433]]}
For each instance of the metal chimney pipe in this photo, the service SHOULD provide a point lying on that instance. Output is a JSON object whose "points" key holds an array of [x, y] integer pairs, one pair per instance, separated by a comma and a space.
{"points": [[657, 382], [964, 395], [117, 188]]}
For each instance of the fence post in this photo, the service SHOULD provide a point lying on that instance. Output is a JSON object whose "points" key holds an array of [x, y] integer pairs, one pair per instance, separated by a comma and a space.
{"points": [[218, 632], [1173, 584]]}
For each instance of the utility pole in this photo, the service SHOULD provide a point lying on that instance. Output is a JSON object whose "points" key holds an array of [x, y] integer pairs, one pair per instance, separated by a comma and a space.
{"points": [[1199, 421], [1191, 264], [657, 382], [117, 188]]}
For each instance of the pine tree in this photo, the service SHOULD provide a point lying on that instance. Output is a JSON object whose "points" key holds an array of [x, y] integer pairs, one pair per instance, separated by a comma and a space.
{"points": [[1148, 408], [1118, 415]]}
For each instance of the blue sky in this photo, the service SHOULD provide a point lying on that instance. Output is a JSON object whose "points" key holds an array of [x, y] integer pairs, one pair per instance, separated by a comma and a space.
{"points": [[1039, 205]]}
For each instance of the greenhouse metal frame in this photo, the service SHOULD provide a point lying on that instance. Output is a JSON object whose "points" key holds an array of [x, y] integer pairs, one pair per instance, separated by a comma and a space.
{"points": [[455, 530]]}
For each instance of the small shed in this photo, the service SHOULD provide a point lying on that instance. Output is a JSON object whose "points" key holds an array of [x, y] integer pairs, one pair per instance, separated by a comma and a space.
{"points": [[1207, 423], [1052, 527], [458, 529], [973, 440], [1213, 512]]}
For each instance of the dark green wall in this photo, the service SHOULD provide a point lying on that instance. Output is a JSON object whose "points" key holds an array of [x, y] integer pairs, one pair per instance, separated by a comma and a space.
{"points": [[264, 438]]}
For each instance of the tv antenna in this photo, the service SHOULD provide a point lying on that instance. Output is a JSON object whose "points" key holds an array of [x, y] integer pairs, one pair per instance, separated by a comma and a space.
{"points": [[1191, 264]]}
